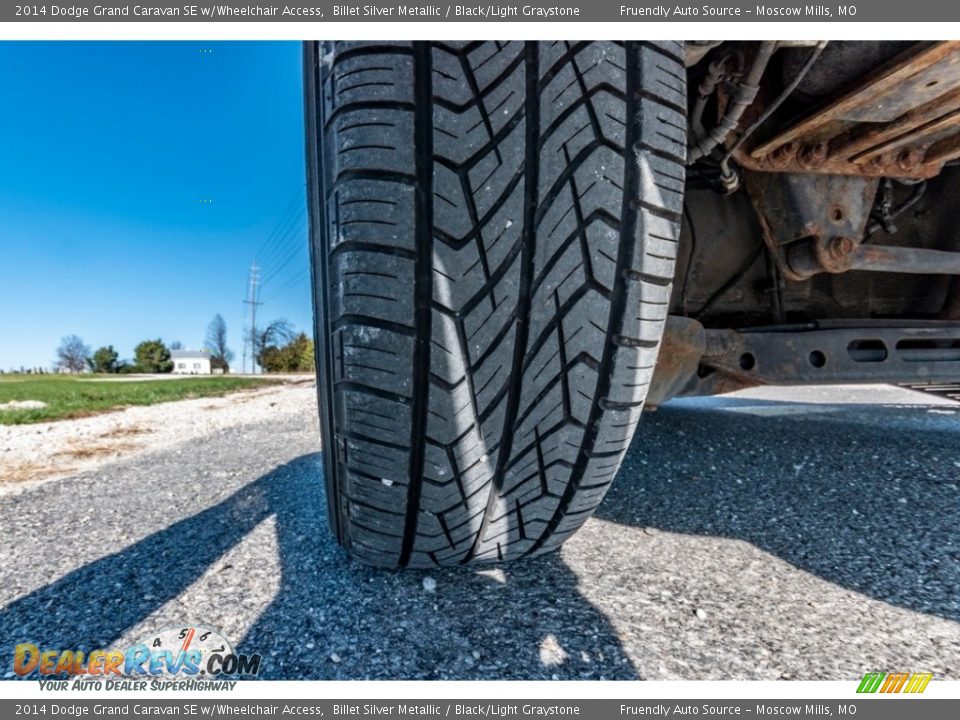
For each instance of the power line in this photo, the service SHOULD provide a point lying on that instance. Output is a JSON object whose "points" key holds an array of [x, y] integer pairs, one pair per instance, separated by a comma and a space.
{"points": [[285, 218], [282, 241], [295, 249], [292, 242], [290, 284]]}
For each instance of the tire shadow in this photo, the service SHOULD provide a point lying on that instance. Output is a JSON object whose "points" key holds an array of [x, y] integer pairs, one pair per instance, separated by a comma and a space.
{"points": [[865, 497], [334, 618]]}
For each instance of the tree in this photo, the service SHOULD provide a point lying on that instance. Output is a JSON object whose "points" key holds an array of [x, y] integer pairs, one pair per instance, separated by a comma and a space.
{"points": [[176, 345], [220, 354], [104, 360], [152, 356], [308, 357], [273, 335], [72, 354], [295, 356]]}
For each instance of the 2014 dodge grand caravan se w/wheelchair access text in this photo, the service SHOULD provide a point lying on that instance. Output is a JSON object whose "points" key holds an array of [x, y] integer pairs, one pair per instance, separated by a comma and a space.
{"points": [[516, 245]]}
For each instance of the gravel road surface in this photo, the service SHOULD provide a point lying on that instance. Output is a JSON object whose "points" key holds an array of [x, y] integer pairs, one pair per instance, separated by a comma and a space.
{"points": [[801, 534]]}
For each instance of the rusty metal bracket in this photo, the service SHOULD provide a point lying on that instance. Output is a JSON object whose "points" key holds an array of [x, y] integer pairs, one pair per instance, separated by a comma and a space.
{"points": [[901, 121], [682, 346], [826, 215], [815, 224], [830, 353], [698, 361]]}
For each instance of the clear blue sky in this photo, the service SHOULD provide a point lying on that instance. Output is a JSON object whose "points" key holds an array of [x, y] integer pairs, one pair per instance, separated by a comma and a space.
{"points": [[137, 183]]}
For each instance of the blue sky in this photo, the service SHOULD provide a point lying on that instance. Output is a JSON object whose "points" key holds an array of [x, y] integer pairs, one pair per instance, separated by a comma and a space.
{"points": [[138, 181]]}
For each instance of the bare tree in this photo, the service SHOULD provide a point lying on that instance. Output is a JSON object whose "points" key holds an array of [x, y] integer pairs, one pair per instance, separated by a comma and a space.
{"points": [[275, 334], [73, 353], [217, 342]]}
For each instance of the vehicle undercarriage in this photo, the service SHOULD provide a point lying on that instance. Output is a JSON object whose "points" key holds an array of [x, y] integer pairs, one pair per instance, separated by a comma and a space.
{"points": [[819, 240]]}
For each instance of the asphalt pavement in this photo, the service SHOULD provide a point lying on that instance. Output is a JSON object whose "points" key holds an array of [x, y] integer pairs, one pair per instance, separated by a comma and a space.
{"points": [[799, 534]]}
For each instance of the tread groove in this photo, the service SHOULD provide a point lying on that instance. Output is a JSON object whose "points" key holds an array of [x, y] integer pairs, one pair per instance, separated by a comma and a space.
{"points": [[423, 289]]}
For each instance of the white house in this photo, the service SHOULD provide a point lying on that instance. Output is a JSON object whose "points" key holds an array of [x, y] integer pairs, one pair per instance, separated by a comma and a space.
{"points": [[191, 362]]}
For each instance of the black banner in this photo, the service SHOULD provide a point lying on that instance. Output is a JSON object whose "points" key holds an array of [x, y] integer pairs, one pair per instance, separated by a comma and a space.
{"points": [[563, 11]]}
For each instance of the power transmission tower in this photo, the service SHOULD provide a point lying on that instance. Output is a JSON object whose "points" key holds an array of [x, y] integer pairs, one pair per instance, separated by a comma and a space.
{"points": [[251, 302]]}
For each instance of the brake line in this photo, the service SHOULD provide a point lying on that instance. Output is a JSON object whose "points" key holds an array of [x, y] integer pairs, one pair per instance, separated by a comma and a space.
{"points": [[745, 94], [728, 177]]}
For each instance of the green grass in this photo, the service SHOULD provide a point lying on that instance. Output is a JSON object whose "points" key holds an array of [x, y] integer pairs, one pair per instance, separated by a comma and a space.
{"points": [[71, 397]]}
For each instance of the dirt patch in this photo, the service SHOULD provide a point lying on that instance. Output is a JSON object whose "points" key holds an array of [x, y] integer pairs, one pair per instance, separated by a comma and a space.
{"points": [[27, 471], [81, 414], [120, 432], [48, 450], [84, 452]]}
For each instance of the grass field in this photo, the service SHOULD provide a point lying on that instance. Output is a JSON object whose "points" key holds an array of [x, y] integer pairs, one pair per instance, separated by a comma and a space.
{"points": [[72, 397]]}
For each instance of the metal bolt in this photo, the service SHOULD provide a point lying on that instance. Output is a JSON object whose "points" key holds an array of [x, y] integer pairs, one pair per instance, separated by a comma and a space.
{"points": [[780, 158], [813, 156], [910, 159], [840, 247], [878, 163]]}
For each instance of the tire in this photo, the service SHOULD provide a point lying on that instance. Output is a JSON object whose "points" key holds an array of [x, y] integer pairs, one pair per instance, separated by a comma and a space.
{"points": [[493, 235]]}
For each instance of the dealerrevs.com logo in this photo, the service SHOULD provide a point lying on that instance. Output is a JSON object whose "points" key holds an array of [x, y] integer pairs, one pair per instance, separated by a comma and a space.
{"points": [[898, 682], [173, 658]]}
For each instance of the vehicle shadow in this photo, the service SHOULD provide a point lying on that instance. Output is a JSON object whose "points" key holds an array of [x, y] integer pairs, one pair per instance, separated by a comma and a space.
{"points": [[520, 621], [333, 618], [865, 497]]}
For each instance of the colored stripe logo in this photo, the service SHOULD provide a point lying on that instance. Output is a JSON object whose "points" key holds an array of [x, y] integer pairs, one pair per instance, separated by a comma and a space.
{"points": [[894, 682]]}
